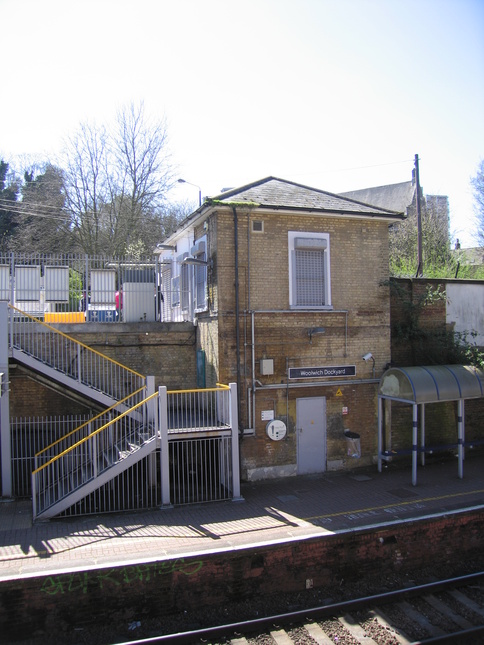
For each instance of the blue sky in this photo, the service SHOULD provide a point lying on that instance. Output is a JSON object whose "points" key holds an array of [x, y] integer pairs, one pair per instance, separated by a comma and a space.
{"points": [[336, 94]]}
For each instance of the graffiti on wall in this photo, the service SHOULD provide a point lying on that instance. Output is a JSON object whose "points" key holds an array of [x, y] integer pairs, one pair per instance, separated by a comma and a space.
{"points": [[81, 581]]}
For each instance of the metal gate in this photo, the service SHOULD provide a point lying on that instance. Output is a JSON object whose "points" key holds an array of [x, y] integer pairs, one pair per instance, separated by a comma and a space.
{"points": [[200, 469]]}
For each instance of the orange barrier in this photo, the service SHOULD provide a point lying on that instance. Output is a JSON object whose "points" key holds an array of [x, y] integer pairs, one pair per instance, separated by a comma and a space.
{"points": [[65, 317]]}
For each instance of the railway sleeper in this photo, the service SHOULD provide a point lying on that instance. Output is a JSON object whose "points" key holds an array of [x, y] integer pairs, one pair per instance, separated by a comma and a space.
{"points": [[356, 630], [467, 602], [444, 609], [423, 621], [384, 621]]}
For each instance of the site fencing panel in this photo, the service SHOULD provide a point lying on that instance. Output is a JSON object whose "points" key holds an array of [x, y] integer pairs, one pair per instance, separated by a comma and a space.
{"points": [[74, 288]]}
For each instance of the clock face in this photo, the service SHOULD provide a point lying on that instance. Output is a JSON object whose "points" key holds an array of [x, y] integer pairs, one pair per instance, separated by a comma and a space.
{"points": [[276, 430]]}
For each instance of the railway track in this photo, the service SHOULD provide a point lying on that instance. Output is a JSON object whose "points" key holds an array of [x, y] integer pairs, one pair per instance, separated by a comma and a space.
{"points": [[447, 611]]}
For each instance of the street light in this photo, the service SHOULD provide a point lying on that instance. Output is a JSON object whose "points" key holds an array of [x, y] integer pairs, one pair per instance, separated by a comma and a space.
{"points": [[164, 247], [195, 262], [184, 181]]}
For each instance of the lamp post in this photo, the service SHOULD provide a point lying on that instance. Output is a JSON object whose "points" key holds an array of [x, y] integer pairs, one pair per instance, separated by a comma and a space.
{"points": [[184, 181]]}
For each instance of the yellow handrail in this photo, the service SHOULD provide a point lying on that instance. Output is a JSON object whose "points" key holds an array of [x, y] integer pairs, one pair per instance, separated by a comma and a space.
{"points": [[78, 342], [112, 407], [219, 387], [92, 434]]}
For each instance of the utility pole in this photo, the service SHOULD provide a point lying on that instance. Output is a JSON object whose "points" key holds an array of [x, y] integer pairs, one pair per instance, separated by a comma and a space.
{"points": [[419, 223]]}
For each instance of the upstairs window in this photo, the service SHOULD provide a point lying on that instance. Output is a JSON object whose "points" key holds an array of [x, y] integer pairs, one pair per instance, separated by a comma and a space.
{"points": [[200, 276], [309, 270]]}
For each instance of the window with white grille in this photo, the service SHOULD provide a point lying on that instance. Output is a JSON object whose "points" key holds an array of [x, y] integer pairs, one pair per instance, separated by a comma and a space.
{"points": [[309, 270], [199, 252]]}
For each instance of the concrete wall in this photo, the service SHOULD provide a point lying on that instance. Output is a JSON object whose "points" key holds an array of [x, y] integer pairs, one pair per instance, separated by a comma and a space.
{"points": [[465, 308]]}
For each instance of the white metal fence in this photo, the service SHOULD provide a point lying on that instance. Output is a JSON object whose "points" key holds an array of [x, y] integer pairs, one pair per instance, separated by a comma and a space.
{"points": [[30, 435], [74, 288], [200, 469]]}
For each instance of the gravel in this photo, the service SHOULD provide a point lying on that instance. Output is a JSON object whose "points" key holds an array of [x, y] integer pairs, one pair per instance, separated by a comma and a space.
{"points": [[269, 605]]}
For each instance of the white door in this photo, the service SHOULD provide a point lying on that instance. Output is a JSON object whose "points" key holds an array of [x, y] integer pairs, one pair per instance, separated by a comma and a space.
{"points": [[311, 435]]}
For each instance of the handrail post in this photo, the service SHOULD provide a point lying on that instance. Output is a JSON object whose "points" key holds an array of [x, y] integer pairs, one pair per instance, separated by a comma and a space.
{"points": [[34, 493], [79, 363], [94, 440], [234, 425], [5, 435], [150, 389], [164, 451]]}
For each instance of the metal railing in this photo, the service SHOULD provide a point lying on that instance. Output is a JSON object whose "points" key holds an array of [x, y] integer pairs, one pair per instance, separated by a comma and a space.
{"points": [[114, 467], [28, 436], [87, 427], [66, 355], [75, 288], [89, 458], [198, 409]]}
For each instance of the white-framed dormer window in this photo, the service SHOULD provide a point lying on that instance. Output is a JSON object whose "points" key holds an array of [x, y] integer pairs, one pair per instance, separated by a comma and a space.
{"points": [[309, 270]]}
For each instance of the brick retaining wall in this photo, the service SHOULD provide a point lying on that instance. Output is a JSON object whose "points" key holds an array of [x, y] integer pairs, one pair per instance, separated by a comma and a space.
{"points": [[59, 602]]}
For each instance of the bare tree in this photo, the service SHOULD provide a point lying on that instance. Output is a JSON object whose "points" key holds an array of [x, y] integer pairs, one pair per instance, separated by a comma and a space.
{"points": [[86, 187], [115, 183], [477, 184]]}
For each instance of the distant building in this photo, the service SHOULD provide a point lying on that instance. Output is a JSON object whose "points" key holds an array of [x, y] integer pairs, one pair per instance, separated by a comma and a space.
{"points": [[403, 198], [435, 217]]}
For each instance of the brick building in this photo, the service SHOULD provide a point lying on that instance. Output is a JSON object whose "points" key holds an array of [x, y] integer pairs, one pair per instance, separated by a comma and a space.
{"points": [[288, 288]]}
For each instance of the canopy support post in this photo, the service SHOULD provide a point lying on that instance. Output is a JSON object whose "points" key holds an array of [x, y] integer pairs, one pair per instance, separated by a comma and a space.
{"points": [[380, 441], [460, 436], [414, 443], [422, 433]]}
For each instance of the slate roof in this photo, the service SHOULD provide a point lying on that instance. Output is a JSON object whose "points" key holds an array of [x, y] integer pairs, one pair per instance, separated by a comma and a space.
{"points": [[273, 193]]}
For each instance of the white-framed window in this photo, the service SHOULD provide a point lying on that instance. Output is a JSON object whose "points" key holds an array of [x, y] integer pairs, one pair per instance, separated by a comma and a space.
{"points": [[179, 283], [175, 291], [199, 252], [185, 287], [309, 270]]}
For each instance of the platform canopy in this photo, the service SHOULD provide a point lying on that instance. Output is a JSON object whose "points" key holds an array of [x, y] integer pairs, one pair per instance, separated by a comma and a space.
{"points": [[432, 384], [418, 386]]}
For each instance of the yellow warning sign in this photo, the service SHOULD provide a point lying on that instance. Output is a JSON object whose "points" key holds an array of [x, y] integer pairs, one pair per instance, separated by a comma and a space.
{"points": [[339, 392]]}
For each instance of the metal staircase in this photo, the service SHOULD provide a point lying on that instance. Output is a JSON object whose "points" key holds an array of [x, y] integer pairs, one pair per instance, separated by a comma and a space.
{"points": [[91, 468], [93, 454], [63, 480], [65, 360]]}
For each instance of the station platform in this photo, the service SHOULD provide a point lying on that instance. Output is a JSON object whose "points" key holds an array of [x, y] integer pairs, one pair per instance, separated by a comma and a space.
{"points": [[270, 511]]}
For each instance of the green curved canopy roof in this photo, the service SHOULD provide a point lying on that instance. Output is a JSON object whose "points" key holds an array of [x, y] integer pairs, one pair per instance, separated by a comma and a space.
{"points": [[432, 384]]}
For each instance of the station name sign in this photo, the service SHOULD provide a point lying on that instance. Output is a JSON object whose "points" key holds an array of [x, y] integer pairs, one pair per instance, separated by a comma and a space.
{"points": [[322, 372]]}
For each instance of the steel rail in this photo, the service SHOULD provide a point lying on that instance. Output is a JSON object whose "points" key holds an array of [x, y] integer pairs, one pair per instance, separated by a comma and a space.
{"points": [[322, 612]]}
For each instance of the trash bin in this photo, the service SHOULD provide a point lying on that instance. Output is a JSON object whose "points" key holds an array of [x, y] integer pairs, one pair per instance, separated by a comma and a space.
{"points": [[353, 446]]}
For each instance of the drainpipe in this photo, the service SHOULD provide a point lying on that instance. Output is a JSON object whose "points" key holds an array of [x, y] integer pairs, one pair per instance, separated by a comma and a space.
{"points": [[252, 317], [237, 306]]}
